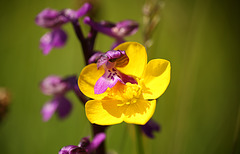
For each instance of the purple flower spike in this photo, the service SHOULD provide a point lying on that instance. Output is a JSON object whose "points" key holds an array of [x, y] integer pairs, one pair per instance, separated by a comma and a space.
{"points": [[53, 85], [118, 30], [61, 105], [53, 19], [150, 127], [54, 39]]}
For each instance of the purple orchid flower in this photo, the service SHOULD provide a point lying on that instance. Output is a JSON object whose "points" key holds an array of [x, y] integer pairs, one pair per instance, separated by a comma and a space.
{"points": [[54, 39], [109, 61], [53, 20], [117, 31], [85, 146], [150, 127], [57, 87]]}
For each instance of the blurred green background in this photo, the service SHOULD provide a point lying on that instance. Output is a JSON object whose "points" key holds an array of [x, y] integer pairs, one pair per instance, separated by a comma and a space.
{"points": [[199, 113]]}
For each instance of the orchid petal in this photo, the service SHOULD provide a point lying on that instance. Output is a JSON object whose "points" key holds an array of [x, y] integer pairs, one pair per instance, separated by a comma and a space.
{"points": [[56, 38], [98, 139], [53, 85], [150, 127], [108, 80], [83, 10], [64, 107], [49, 109], [71, 149]]}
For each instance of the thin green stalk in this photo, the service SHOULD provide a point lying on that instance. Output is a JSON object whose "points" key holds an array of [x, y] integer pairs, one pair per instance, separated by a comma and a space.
{"points": [[140, 149]]}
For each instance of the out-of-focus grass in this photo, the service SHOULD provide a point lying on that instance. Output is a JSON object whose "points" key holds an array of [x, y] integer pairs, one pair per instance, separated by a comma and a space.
{"points": [[198, 113]]}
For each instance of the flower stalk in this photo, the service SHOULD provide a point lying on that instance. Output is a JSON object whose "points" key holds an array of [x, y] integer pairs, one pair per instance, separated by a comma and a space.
{"points": [[139, 141]]}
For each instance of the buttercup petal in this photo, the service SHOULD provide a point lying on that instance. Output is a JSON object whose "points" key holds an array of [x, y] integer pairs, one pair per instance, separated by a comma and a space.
{"points": [[104, 112], [137, 58], [156, 78], [88, 78], [139, 112]]}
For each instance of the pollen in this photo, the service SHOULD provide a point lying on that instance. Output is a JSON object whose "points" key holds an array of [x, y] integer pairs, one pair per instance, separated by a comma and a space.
{"points": [[131, 93]]}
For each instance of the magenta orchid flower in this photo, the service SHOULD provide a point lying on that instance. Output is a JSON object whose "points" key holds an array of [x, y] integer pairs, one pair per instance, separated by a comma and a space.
{"points": [[57, 87], [109, 61]]}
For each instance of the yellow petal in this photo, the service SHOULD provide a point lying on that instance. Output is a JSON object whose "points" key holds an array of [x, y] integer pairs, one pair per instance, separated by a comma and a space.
{"points": [[139, 112], [137, 58], [88, 78], [104, 112], [156, 78]]}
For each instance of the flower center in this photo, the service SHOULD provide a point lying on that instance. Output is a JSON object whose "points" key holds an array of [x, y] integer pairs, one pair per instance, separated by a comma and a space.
{"points": [[131, 93], [128, 93]]}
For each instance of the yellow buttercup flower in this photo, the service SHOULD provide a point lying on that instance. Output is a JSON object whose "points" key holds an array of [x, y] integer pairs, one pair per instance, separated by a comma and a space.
{"points": [[123, 86]]}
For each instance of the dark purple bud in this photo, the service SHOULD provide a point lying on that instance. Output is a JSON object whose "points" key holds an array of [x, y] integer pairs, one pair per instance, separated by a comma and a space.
{"points": [[53, 85], [71, 82], [54, 39], [150, 127], [84, 142], [50, 18], [118, 30]]}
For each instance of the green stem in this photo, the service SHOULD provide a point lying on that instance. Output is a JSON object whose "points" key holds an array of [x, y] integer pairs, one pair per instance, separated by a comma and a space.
{"points": [[140, 149]]}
